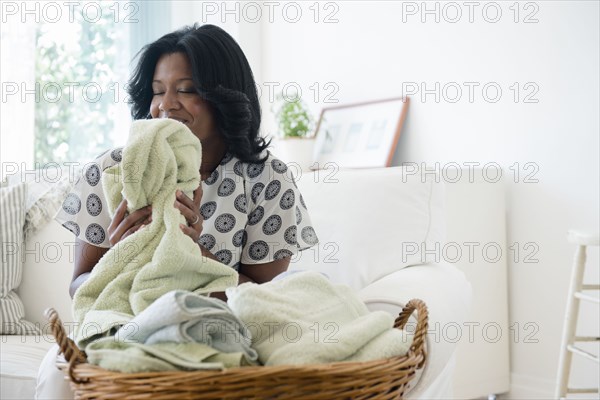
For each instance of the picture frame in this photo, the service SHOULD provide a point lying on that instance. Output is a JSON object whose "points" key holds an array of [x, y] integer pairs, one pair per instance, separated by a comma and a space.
{"points": [[359, 135]]}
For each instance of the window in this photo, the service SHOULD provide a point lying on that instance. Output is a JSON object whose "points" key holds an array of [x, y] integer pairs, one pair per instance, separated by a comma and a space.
{"points": [[63, 73], [80, 71]]}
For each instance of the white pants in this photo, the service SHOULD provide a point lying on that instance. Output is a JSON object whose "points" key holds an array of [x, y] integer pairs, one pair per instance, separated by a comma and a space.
{"points": [[51, 382]]}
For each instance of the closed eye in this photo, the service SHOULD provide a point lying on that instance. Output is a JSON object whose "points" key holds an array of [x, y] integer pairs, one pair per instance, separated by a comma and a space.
{"points": [[184, 91]]}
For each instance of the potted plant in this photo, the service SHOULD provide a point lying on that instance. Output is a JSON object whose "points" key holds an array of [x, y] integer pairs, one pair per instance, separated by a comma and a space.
{"points": [[295, 140]]}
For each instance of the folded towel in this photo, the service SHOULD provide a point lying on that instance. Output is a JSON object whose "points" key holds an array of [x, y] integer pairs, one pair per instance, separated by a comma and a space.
{"points": [[137, 357], [160, 157], [186, 317], [305, 319]]}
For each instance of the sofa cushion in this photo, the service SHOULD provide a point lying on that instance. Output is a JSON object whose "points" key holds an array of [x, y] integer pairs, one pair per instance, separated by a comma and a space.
{"points": [[47, 272], [12, 210], [21, 358], [371, 222], [46, 189]]}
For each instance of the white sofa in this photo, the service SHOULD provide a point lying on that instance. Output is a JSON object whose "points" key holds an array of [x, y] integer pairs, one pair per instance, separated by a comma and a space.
{"points": [[368, 222]]}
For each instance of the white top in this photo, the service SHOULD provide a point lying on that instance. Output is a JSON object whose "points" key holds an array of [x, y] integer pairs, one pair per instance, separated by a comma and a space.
{"points": [[253, 212]]}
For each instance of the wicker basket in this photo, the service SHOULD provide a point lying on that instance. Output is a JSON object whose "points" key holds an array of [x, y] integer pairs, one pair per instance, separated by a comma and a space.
{"points": [[379, 379]]}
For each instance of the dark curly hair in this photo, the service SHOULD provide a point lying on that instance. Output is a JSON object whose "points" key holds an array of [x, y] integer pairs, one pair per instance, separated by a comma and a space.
{"points": [[222, 75]]}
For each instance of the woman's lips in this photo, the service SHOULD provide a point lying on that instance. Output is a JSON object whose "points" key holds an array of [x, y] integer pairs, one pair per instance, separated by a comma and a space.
{"points": [[183, 121]]}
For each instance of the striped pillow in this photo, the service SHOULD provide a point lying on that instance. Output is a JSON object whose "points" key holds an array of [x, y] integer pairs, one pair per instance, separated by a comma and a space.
{"points": [[12, 219]]}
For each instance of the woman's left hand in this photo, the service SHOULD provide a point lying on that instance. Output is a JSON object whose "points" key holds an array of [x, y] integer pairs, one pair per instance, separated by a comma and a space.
{"points": [[190, 209]]}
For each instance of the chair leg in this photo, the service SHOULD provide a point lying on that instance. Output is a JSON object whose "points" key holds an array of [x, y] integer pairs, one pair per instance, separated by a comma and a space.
{"points": [[570, 322]]}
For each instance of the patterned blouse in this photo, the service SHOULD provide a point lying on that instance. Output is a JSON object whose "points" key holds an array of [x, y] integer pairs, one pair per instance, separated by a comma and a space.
{"points": [[253, 212]]}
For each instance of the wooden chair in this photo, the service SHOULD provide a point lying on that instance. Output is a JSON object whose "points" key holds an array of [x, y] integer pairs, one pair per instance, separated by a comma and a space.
{"points": [[576, 294]]}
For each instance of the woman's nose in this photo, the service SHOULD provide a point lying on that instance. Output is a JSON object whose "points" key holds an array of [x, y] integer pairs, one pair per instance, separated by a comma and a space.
{"points": [[169, 101]]}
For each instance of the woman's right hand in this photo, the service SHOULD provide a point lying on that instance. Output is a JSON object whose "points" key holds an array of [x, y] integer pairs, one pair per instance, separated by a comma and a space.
{"points": [[124, 224]]}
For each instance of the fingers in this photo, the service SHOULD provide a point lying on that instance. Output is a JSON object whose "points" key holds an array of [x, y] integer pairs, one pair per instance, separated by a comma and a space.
{"points": [[133, 230], [124, 225], [198, 196], [188, 208], [119, 215], [184, 199], [191, 232]]}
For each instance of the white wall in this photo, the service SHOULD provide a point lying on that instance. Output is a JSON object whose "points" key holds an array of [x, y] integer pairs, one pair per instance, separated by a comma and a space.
{"points": [[371, 52]]}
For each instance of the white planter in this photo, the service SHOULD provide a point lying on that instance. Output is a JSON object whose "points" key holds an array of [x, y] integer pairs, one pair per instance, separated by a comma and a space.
{"points": [[294, 150]]}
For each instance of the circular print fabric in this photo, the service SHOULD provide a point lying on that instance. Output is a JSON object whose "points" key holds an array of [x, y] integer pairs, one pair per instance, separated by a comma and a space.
{"points": [[212, 178], [93, 205], [95, 234], [298, 216], [207, 241], [259, 250], [256, 191], [279, 166], [226, 187], [73, 227], [302, 202], [272, 225], [240, 203], [117, 155], [207, 210], [72, 204], [239, 238], [224, 223], [225, 256], [238, 168], [288, 199], [92, 174], [309, 235], [256, 215], [290, 235], [283, 253], [254, 170], [272, 190]]}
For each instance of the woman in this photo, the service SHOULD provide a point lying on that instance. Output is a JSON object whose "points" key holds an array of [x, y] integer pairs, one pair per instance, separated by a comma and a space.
{"points": [[247, 212]]}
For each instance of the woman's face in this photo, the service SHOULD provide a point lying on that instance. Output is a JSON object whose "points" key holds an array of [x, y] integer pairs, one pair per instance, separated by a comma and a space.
{"points": [[175, 97]]}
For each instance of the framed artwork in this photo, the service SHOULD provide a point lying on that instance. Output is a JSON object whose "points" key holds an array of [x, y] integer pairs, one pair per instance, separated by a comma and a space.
{"points": [[361, 135]]}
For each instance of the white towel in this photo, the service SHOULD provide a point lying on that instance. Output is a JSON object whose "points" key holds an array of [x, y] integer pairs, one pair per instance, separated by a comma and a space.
{"points": [[180, 330], [305, 319], [184, 317]]}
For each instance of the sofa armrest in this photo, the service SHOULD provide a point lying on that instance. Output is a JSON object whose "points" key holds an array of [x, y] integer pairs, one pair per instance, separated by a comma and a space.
{"points": [[447, 293]]}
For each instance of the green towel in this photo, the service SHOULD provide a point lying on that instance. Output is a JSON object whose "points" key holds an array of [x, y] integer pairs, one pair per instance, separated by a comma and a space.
{"points": [[160, 157], [136, 357]]}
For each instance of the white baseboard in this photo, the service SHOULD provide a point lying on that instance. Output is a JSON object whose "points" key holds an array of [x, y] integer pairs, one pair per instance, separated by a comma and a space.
{"points": [[529, 387]]}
